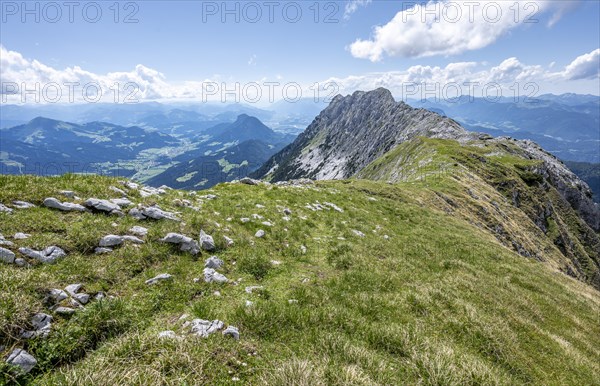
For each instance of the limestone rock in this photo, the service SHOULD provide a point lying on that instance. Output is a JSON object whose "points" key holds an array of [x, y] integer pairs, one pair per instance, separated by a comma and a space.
{"points": [[53, 203], [7, 255], [212, 276], [206, 242], [156, 279], [21, 358]]}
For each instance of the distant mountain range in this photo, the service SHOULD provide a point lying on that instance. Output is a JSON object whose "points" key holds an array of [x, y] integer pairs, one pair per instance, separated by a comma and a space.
{"points": [[566, 125], [47, 147]]}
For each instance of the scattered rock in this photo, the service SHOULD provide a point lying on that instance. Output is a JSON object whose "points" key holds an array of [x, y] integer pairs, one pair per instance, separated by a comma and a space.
{"points": [[217, 293], [21, 236], [72, 289], [121, 202], [249, 181], [233, 332], [292, 301], [64, 310], [156, 279], [213, 262], [303, 249], [21, 358], [358, 233], [102, 250], [204, 328], [156, 213], [249, 303], [42, 324], [244, 220], [167, 335], [53, 203], [186, 244], [287, 211], [267, 223], [111, 241], [57, 295], [7, 256], [260, 233], [22, 204], [137, 214], [130, 185], [386, 237], [228, 241], [117, 190], [114, 240], [251, 288], [275, 262], [260, 206], [102, 206], [20, 262], [47, 256], [212, 276], [41, 320], [334, 207], [206, 242], [139, 231], [5, 209], [82, 298]]}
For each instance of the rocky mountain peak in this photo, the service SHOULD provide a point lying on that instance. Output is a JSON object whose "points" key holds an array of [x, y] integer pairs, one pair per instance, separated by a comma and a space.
{"points": [[353, 131]]}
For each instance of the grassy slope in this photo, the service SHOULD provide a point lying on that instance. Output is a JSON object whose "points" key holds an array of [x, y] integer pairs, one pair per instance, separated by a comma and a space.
{"points": [[440, 302], [493, 187]]}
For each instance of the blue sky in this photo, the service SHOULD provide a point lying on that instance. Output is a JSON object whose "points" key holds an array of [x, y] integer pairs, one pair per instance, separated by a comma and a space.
{"points": [[185, 42]]}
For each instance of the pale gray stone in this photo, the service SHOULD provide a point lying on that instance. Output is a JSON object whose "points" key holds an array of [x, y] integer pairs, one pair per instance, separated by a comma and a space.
{"points": [[212, 276], [213, 262], [53, 203], [206, 242], [21, 358], [204, 328], [7, 255], [233, 332], [158, 278], [22, 204]]}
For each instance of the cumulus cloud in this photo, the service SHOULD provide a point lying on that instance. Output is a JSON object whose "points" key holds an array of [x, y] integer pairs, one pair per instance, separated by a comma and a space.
{"points": [[353, 6], [586, 66], [22, 74], [510, 78], [450, 27]]}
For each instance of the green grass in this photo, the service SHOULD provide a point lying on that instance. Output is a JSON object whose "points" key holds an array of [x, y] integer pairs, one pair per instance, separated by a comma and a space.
{"points": [[441, 302]]}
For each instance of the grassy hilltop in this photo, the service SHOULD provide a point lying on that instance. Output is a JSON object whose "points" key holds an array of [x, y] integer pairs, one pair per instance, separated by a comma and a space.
{"points": [[393, 288]]}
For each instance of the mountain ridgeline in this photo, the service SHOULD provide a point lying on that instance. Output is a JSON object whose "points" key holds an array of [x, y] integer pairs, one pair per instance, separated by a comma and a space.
{"points": [[522, 195]]}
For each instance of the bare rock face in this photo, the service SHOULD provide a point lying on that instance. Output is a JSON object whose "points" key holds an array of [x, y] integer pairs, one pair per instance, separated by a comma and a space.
{"points": [[351, 133], [575, 191]]}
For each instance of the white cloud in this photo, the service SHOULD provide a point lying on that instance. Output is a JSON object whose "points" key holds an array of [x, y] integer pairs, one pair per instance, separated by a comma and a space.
{"points": [[449, 27], [31, 74], [353, 5], [509, 78], [586, 66], [510, 75]]}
